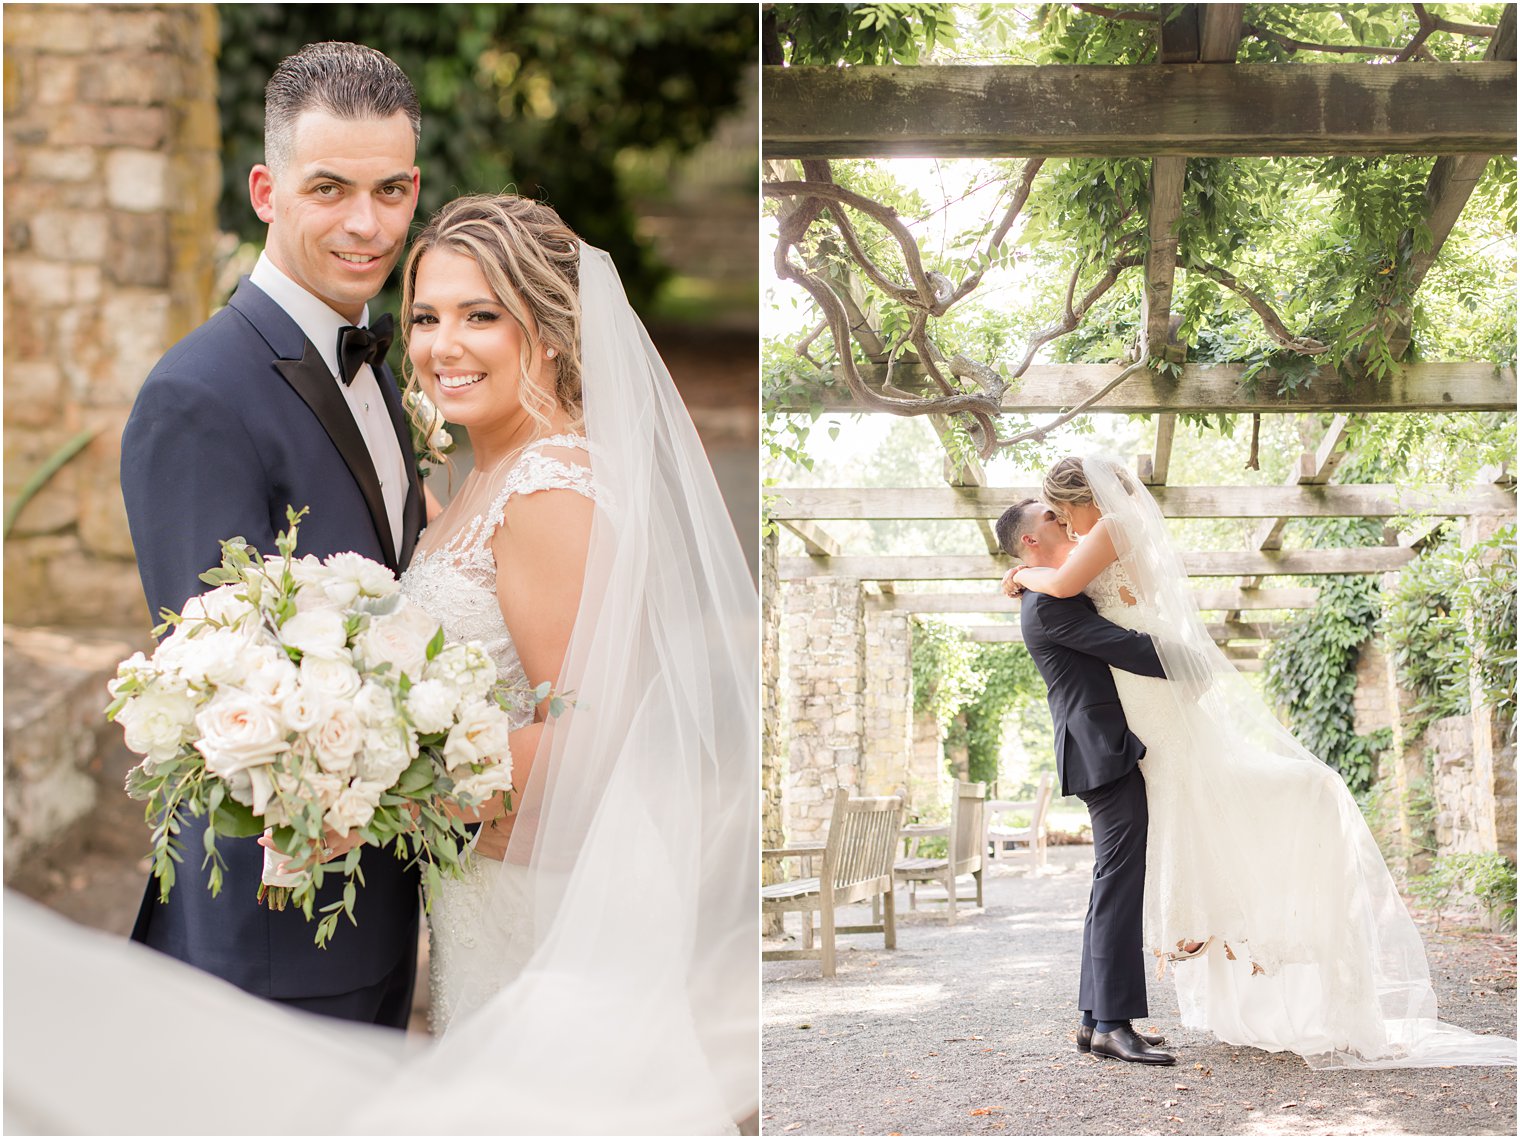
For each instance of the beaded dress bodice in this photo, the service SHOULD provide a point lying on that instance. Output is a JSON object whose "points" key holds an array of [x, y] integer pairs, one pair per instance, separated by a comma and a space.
{"points": [[480, 927], [456, 583]]}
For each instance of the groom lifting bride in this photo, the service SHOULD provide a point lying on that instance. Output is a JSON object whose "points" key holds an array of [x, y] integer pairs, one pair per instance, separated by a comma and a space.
{"points": [[1097, 759]]}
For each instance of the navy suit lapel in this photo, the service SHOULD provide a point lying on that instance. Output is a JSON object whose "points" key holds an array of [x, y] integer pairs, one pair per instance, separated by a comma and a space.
{"points": [[413, 514], [304, 370]]}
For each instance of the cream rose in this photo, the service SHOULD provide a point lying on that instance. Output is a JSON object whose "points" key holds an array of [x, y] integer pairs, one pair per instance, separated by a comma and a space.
{"points": [[354, 806], [431, 704], [157, 723], [400, 638], [336, 739], [479, 737], [335, 679], [387, 752], [349, 576], [481, 786], [238, 731], [316, 633]]}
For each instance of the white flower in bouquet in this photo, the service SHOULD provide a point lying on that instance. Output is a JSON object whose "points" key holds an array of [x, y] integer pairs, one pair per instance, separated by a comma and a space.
{"points": [[337, 739], [468, 668], [304, 707], [317, 633], [158, 724], [220, 606], [431, 704], [480, 736], [254, 787], [239, 731], [375, 704], [350, 577], [479, 787], [271, 675], [355, 806], [400, 639], [387, 752], [206, 655], [334, 679]]}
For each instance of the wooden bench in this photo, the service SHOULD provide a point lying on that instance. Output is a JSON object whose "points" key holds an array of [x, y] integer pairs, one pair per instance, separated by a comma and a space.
{"points": [[1003, 839], [965, 842], [856, 867]]}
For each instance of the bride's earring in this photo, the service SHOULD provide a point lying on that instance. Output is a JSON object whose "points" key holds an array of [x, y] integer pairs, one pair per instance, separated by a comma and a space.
{"points": [[550, 353]]}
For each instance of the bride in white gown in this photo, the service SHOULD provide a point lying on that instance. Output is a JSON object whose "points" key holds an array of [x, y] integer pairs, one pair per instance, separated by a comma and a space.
{"points": [[1264, 884], [595, 972]]}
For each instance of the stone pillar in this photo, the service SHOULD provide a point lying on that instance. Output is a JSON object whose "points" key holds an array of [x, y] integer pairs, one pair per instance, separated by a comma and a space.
{"points": [[888, 688], [1493, 752], [772, 725], [825, 634], [927, 778], [112, 174]]}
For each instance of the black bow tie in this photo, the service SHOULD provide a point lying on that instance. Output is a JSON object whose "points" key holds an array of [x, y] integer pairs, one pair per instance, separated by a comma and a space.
{"points": [[360, 346]]}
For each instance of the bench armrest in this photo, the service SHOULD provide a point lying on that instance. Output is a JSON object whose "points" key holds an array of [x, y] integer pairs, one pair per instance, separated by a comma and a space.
{"points": [[793, 852]]}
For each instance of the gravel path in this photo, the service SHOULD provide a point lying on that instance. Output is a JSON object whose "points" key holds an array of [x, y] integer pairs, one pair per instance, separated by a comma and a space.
{"points": [[969, 1031]]}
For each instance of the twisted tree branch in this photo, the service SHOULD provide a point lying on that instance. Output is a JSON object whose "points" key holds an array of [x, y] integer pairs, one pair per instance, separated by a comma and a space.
{"points": [[1276, 329]]}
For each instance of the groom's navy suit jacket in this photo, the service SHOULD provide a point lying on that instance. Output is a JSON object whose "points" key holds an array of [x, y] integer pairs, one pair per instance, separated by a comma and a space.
{"points": [[1074, 648], [239, 420]]}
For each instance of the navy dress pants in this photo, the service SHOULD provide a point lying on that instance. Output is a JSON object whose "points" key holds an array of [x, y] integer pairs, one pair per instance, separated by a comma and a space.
{"points": [[1113, 956]]}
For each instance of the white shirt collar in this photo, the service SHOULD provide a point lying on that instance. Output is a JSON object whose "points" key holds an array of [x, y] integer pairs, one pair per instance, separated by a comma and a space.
{"points": [[314, 317]]}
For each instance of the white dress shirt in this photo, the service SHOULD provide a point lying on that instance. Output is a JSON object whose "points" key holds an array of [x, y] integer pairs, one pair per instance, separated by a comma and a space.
{"points": [[373, 418]]}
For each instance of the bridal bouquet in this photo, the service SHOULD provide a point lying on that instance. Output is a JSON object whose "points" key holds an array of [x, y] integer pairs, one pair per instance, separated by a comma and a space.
{"points": [[302, 696]]}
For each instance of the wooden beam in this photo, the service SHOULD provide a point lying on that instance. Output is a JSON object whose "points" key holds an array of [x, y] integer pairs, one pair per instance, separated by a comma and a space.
{"points": [[1154, 468], [818, 541], [991, 601], [1451, 183], [1210, 563], [1334, 501], [1105, 111], [1220, 389], [1219, 37]]}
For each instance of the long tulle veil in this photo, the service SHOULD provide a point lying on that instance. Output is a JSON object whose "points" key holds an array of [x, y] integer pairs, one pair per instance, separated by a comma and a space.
{"points": [[637, 1012], [1342, 964]]}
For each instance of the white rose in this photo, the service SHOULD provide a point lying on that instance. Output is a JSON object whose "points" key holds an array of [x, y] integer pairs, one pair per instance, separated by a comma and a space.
{"points": [[468, 667], [350, 575], [354, 806], [202, 654], [239, 731], [431, 704], [336, 739], [375, 705], [400, 638], [479, 737], [304, 708], [270, 674], [480, 787], [335, 679], [254, 788], [220, 606], [440, 440], [156, 723], [386, 753], [316, 632]]}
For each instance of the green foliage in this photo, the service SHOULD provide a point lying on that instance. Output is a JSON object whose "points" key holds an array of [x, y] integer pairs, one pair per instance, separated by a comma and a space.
{"points": [[1311, 673], [1009, 676], [857, 33], [945, 677], [541, 98], [1489, 877], [1451, 617]]}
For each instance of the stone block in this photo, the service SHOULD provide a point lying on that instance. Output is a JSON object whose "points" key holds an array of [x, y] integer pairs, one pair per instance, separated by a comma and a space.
{"points": [[141, 127], [137, 180], [139, 249], [61, 164], [102, 512], [70, 235], [138, 324], [133, 29], [55, 82], [60, 29], [82, 590], [33, 392], [139, 79]]}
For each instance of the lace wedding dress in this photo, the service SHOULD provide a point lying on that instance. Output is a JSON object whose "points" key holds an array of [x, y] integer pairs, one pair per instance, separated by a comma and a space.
{"points": [[481, 926], [1257, 844]]}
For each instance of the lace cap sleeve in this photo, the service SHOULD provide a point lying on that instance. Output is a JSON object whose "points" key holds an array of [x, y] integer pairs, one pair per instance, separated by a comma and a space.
{"points": [[535, 471]]}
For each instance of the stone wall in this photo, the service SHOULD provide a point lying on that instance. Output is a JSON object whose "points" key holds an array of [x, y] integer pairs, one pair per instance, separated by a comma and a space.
{"points": [[888, 684], [112, 175], [928, 783], [825, 632], [773, 725]]}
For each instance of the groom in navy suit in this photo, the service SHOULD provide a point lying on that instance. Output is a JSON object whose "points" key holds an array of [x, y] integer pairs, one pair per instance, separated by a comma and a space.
{"points": [[1097, 759], [283, 399]]}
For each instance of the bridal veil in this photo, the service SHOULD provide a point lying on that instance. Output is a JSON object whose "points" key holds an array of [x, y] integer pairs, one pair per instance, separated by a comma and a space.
{"points": [[637, 1010]]}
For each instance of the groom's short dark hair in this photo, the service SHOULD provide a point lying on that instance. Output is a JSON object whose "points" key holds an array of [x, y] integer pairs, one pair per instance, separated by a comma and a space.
{"points": [[1013, 524], [349, 81]]}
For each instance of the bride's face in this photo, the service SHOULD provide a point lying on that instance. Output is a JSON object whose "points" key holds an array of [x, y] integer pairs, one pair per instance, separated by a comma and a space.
{"points": [[465, 347], [1079, 518]]}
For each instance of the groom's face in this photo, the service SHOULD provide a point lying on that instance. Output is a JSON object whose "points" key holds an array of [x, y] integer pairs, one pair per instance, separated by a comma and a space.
{"points": [[339, 208], [1051, 541]]}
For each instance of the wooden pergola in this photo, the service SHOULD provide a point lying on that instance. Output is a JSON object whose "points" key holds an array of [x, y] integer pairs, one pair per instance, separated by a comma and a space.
{"points": [[1196, 101]]}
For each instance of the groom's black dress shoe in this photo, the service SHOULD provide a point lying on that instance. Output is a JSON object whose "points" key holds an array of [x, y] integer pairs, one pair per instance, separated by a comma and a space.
{"points": [[1085, 1035], [1125, 1044]]}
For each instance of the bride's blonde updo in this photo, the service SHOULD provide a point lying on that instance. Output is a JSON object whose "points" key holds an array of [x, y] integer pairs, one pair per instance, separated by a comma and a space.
{"points": [[1066, 485], [531, 260]]}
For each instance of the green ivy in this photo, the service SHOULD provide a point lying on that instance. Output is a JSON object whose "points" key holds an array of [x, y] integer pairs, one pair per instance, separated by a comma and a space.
{"points": [[1488, 877], [945, 677], [1009, 676]]}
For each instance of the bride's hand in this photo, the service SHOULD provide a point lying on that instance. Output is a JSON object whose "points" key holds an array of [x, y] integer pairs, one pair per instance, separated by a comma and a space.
{"points": [[1011, 587], [494, 834]]}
